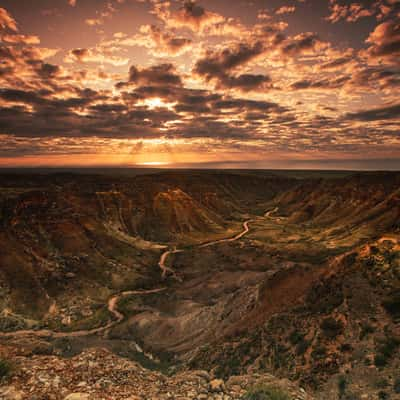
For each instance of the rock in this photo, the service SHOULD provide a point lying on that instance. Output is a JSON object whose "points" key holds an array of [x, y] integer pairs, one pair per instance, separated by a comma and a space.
{"points": [[77, 396], [217, 385], [11, 393], [99, 374], [203, 374]]}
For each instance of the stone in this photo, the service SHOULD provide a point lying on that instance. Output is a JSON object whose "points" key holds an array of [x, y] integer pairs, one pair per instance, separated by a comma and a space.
{"points": [[11, 393], [217, 385], [77, 396]]}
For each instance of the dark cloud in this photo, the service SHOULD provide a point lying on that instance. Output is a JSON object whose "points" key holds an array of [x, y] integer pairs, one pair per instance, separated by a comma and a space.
{"points": [[327, 83], [375, 77], [80, 54], [336, 63], [246, 82], [190, 15], [214, 64], [352, 11], [157, 75], [300, 43], [218, 66], [47, 71], [385, 41], [376, 114], [166, 41]]}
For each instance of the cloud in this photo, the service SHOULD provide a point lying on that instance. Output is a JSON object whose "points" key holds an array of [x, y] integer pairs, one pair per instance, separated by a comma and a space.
{"points": [[241, 88], [376, 77], [21, 66], [160, 42], [285, 10], [352, 12], [96, 55], [246, 82], [218, 67], [7, 21], [376, 114], [190, 15], [20, 39], [162, 74], [300, 43], [264, 14], [105, 14], [216, 63], [166, 41], [324, 83], [385, 41], [349, 12], [336, 63]]}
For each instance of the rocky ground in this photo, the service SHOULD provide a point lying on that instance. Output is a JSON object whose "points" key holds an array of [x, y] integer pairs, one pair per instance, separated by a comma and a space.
{"points": [[97, 374]]}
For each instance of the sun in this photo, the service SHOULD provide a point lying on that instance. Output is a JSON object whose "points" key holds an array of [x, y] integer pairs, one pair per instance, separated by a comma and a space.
{"points": [[154, 163], [156, 102]]}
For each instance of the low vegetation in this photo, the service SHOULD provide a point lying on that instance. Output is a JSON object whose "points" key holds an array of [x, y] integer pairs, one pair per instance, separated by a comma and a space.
{"points": [[331, 327], [262, 392], [385, 350], [5, 368]]}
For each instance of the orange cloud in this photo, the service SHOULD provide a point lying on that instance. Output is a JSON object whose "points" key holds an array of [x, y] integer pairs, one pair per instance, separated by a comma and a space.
{"points": [[7, 21]]}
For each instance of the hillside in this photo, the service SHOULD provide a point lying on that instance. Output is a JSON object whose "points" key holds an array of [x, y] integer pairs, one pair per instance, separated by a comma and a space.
{"points": [[230, 272]]}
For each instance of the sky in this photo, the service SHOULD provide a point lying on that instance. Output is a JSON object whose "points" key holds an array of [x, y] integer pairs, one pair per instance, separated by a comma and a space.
{"points": [[208, 83]]}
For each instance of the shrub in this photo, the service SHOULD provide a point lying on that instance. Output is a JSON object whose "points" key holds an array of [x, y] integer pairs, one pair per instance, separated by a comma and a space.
{"points": [[396, 385], [346, 347], [383, 395], [380, 360], [366, 329], [342, 385], [392, 305], [296, 337], [319, 352], [5, 368], [302, 347], [381, 383], [351, 396], [331, 327], [262, 392], [385, 351]]}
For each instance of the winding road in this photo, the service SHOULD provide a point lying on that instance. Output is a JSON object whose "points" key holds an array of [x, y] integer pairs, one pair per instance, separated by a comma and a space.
{"points": [[112, 308], [112, 303], [165, 269]]}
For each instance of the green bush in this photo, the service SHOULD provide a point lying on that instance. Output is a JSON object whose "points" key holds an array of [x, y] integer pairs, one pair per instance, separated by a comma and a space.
{"points": [[262, 392], [5, 368]]}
